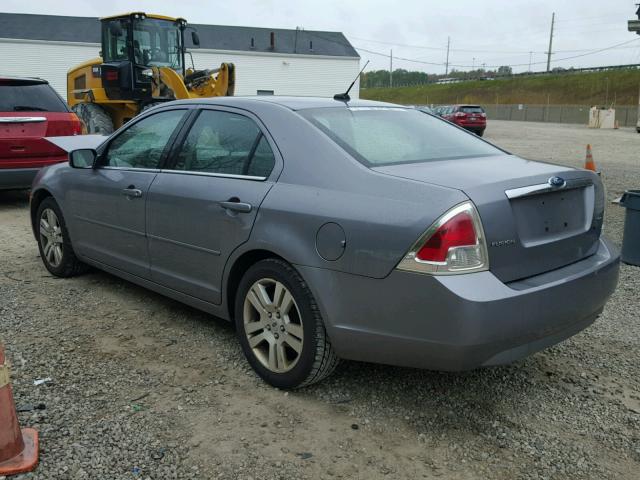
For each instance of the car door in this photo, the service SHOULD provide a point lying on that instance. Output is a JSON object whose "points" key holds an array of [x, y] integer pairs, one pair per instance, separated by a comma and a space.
{"points": [[107, 202], [204, 204]]}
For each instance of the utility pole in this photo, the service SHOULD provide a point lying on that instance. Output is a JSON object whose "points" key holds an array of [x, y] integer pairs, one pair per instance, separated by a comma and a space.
{"points": [[391, 69], [553, 20], [446, 68], [530, 57]]}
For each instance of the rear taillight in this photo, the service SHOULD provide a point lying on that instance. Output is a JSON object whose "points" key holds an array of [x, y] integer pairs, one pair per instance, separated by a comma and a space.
{"points": [[483, 115], [455, 243], [64, 126], [460, 114], [76, 125], [111, 75]]}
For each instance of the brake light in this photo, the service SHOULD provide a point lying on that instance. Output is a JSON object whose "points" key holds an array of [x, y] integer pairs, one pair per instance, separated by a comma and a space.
{"points": [[460, 114], [455, 243], [63, 125], [483, 115], [76, 125], [111, 75]]}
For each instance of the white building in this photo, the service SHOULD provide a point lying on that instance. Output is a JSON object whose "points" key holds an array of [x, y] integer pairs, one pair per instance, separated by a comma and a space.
{"points": [[300, 62]]}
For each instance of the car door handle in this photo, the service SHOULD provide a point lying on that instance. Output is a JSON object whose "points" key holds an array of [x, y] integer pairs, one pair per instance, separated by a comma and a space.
{"points": [[236, 206], [132, 192]]}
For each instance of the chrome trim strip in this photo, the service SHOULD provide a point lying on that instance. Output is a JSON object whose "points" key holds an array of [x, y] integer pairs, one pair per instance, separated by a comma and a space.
{"points": [[545, 188], [22, 119], [209, 174], [133, 169], [186, 245]]}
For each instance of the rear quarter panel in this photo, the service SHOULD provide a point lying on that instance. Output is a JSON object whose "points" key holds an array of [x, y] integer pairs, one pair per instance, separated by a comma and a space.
{"points": [[382, 216]]}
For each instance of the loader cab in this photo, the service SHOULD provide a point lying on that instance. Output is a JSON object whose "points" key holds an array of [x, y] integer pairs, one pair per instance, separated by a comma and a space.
{"points": [[133, 43]]}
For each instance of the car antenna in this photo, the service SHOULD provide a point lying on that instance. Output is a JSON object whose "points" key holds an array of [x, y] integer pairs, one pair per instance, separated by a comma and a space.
{"points": [[344, 97]]}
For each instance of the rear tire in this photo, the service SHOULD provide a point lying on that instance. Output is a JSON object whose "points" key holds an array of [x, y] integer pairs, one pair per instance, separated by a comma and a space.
{"points": [[480, 133], [54, 243], [280, 327], [94, 118]]}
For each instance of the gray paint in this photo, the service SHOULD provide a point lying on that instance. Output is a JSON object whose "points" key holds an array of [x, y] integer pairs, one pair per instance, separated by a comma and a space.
{"points": [[371, 310], [218, 37]]}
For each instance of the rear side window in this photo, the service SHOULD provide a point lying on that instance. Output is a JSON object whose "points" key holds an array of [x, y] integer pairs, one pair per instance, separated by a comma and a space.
{"points": [[385, 136], [29, 97], [225, 143], [471, 109]]}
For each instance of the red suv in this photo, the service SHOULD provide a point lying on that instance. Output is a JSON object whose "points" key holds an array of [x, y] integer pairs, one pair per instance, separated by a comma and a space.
{"points": [[29, 111], [471, 117]]}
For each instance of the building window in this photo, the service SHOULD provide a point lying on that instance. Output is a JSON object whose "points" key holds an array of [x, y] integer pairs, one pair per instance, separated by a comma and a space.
{"points": [[265, 92]]}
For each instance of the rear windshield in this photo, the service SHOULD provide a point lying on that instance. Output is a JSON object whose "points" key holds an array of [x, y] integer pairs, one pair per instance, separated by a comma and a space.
{"points": [[378, 136], [36, 97], [471, 109]]}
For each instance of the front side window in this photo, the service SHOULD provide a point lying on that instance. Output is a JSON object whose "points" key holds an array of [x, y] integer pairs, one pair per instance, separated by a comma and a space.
{"points": [[384, 135], [225, 143], [157, 42], [141, 145]]}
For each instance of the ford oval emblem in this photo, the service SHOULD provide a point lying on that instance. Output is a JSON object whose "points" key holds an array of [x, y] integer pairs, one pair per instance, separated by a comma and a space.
{"points": [[557, 182]]}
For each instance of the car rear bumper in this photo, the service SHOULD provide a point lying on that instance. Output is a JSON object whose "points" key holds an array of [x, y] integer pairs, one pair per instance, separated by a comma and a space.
{"points": [[17, 178], [473, 127], [460, 322]]}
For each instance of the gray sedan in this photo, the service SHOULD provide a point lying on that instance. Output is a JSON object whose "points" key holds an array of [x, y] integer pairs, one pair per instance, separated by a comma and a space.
{"points": [[328, 229]]}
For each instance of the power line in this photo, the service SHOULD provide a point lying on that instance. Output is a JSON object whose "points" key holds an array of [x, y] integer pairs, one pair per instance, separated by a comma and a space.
{"points": [[412, 60], [469, 50]]}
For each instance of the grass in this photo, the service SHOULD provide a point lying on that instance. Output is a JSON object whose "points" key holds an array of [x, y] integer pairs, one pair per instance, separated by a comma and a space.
{"points": [[618, 87]]}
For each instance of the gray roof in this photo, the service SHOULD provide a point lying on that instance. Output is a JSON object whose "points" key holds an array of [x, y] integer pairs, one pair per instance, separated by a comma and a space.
{"points": [[293, 103], [219, 37]]}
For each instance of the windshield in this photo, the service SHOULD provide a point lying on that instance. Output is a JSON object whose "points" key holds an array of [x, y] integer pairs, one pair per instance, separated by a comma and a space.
{"points": [[157, 42], [384, 136]]}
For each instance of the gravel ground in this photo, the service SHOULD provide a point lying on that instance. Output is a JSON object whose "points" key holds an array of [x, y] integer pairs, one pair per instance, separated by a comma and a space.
{"points": [[144, 387]]}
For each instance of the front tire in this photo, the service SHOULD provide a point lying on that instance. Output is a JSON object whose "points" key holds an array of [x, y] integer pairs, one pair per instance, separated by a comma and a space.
{"points": [[53, 241], [280, 327]]}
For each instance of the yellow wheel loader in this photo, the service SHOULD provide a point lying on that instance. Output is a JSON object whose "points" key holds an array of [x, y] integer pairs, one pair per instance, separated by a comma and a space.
{"points": [[142, 63]]}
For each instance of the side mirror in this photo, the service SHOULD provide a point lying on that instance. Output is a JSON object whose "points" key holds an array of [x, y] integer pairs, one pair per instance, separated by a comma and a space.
{"points": [[84, 158], [195, 39]]}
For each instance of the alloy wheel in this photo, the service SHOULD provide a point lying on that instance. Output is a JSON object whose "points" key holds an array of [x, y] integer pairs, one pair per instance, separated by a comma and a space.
{"points": [[273, 325], [51, 237]]}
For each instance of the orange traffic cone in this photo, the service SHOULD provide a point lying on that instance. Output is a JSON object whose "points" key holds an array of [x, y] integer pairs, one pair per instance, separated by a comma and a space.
{"points": [[18, 448], [589, 164]]}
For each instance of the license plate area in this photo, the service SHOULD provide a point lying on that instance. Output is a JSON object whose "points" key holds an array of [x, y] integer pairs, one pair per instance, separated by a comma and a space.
{"points": [[553, 216]]}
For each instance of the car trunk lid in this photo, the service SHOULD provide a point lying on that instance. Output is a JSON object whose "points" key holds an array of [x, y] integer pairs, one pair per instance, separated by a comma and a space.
{"points": [[531, 226]]}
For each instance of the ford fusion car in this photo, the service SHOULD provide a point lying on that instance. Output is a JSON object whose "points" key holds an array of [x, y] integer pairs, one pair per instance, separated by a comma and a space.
{"points": [[335, 229]]}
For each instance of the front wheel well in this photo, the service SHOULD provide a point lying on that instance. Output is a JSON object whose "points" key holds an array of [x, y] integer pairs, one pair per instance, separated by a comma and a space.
{"points": [[240, 266], [36, 199]]}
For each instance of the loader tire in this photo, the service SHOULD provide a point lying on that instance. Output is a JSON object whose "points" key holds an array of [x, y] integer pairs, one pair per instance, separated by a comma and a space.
{"points": [[95, 119]]}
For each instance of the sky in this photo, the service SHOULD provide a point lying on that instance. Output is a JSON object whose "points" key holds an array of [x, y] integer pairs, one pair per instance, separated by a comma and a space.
{"points": [[487, 32]]}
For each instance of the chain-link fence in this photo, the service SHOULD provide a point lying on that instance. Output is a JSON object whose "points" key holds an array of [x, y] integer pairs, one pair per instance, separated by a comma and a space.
{"points": [[626, 115]]}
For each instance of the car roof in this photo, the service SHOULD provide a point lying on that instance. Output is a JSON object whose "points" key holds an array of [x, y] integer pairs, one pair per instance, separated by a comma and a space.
{"points": [[293, 103], [24, 80]]}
